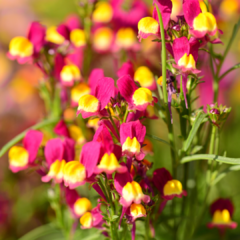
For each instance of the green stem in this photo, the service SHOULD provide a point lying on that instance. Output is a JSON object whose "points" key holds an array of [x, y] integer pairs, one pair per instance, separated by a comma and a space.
{"points": [[147, 226], [125, 116], [164, 57], [20, 136]]}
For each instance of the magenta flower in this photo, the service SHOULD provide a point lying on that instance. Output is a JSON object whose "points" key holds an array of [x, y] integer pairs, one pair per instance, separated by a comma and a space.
{"points": [[137, 98], [150, 25], [222, 211], [201, 21], [24, 49], [58, 152], [186, 55], [21, 158], [94, 105], [132, 135], [129, 190], [126, 69], [110, 153], [61, 129]]}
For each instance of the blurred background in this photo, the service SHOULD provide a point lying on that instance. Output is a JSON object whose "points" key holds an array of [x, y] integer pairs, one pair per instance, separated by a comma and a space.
{"points": [[23, 197]]}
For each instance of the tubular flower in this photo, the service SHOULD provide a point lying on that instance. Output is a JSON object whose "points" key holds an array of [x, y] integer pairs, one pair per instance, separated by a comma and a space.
{"points": [[131, 137], [150, 25], [110, 153], [92, 219], [130, 191], [69, 74], [78, 37], [137, 211], [222, 211], [93, 123], [24, 49], [53, 36], [137, 98], [186, 56], [126, 38], [126, 69], [57, 153], [103, 39], [93, 105], [168, 187], [81, 206], [200, 21], [145, 77], [78, 91], [103, 12], [21, 158]]}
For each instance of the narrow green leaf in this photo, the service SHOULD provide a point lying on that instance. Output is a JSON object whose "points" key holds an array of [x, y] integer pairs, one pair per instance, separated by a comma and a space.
{"points": [[201, 115], [211, 157], [20, 136], [229, 70]]}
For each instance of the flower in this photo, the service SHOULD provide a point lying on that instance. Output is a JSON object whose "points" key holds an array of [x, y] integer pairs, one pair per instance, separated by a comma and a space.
{"points": [[93, 105], [137, 98], [222, 211], [145, 77], [58, 152], [103, 12], [132, 135], [21, 158], [24, 49], [167, 186], [129, 190]]}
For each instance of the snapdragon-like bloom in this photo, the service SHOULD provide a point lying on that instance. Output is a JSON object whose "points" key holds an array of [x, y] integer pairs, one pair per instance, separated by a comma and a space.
{"points": [[110, 153], [58, 152], [167, 186], [76, 173], [145, 77], [126, 38], [78, 91], [103, 12], [131, 137], [186, 56], [150, 25], [222, 211], [20, 157], [24, 49], [137, 98], [200, 20], [93, 105], [129, 190], [92, 219]]}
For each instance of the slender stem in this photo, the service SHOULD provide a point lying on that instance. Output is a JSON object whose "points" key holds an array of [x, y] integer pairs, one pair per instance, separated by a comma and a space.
{"points": [[125, 116], [20, 136], [147, 226], [114, 125], [164, 57]]}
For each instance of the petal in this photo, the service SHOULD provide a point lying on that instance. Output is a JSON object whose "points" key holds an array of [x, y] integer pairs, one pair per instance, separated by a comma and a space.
{"points": [[126, 69], [61, 129], [95, 75], [165, 7], [126, 87], [121, 179], [105, 90], [99, 190], [32, 142], [64, 31], [54, 150], [191, 9], [90, 156], [180, 47], [69, 150]]}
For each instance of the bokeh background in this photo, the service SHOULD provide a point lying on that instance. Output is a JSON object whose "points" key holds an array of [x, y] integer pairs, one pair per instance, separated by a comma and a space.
{"points": [[23, 197]]}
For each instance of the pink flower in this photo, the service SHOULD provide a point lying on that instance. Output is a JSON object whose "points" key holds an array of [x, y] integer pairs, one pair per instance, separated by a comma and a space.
{"points": [[21, 158], [131, 137], [25, 49], [137, 98]]}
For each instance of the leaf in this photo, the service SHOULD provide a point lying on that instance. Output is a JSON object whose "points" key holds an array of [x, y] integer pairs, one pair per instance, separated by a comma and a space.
{"points": [[229, 70], [201, 115], [217, 158], [20, 136], [196, 149], [114, 218]]}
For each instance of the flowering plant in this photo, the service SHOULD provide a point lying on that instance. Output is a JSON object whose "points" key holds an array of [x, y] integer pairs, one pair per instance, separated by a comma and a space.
{"points": [[105, 143]]}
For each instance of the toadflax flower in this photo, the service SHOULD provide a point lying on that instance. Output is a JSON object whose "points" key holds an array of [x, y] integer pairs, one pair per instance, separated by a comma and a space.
{"points": [[201, 21], [132, 135], [129, 190], [94, 105], [145, 77], [24, 49], [21, 158], [167, 186], [186, 56], [222, 211], [137, 98], [150, 25]]}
